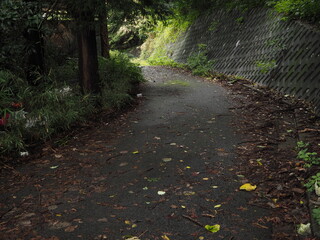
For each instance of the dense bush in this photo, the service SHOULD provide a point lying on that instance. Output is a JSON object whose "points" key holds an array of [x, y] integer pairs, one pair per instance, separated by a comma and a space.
{"points": [[16, 17], [31, 114], [308, 10], [118, 76]]}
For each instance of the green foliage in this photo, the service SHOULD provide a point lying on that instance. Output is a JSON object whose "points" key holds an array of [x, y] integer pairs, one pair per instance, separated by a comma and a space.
{"points": [[39, 112], [240, 20], [310, 158], [266, 66], [155, 50], [308, 10], [36, 113], [118, 77], [198, 62], [15, 18], [302, 144], [311, 182], [316, 215], [213, 26], [196, 7]]}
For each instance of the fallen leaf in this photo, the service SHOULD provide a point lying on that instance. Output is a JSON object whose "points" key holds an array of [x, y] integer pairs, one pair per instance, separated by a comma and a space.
{"points": [[123, 164], [59, 225], [195, 174], [213, 229], [26, 223], [52, 207], [54, 167], [304, 229], [298, 190], [135, 152], [165, 237], [188, 193], [248, 187], [217, 206], [70, 228], [58, 156], [166, 159], [161, 193], [259, 161]]}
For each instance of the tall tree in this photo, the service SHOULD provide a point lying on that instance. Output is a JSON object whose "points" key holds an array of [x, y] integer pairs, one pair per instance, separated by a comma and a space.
{"points": [[84, 13], [104, 31]]}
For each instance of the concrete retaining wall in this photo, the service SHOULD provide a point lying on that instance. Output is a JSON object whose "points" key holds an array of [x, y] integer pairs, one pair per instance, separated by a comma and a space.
{"points": [[258, 45]]}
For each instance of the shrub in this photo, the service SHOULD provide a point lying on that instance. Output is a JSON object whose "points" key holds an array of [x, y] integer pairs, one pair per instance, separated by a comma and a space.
{"points": [[308, 10], [32, 114], [35, 113], [118, 78], [198, 62]]}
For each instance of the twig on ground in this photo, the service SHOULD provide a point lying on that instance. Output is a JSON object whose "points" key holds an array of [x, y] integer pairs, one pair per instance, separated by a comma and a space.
{"points": [[193, 220], [142, 233]]}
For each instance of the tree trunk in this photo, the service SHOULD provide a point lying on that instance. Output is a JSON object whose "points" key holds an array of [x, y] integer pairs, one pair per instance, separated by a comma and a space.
{"points": [[88, 60], [35, 55], [104, 33]]}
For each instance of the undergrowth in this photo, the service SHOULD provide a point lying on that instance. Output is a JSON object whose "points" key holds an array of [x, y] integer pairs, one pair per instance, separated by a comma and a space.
{"points": [[31, 114], [198, 62]]}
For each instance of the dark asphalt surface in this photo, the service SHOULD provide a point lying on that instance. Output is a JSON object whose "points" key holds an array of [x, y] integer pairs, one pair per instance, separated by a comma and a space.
{"points": [[164, 173]]}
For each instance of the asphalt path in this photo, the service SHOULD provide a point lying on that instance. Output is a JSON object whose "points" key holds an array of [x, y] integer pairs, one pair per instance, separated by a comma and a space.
{"points": [[167, 172]]}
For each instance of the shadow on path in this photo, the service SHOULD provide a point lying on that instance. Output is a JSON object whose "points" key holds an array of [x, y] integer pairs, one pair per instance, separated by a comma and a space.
{"points": [[163, 172]]}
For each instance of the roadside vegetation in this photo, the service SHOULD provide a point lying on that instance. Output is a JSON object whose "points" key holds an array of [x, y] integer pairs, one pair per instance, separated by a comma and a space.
{"points": [[52, 74], [156, 49]]}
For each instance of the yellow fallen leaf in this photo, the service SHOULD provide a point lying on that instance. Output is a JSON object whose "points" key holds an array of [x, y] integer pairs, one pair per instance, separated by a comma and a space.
{"points": [[165, 237], [213, 229], [217, 206], [248, 187], [135, 152], [259, 161], [127, 222]]}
